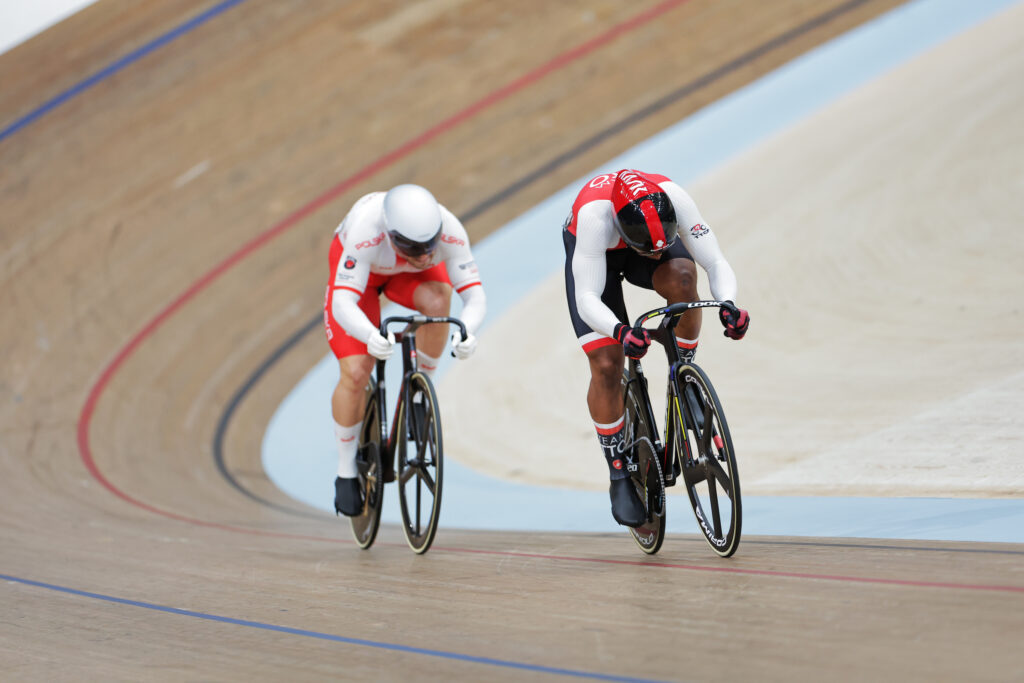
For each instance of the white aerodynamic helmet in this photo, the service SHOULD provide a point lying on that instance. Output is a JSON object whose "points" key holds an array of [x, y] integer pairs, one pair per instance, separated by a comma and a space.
{"points": [[413, 219]]}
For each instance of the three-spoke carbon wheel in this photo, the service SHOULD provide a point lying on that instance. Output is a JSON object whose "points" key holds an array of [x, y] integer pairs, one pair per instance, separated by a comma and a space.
{"points": [[420, 462], [371, 476], [648, 478], [703, 445]]}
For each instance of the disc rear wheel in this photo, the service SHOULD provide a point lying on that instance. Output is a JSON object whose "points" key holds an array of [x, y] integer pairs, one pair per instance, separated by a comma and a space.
{"points": [[420, 462]]}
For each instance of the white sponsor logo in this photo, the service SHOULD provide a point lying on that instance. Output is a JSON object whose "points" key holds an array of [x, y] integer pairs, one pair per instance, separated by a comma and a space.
{"points": [[602, 180], [707, 530], [366, 244], [700, 387], [634, 184], [327, 326]]}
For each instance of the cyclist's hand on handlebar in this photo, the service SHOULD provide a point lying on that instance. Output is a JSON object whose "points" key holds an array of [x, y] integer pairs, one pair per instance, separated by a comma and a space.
{"points": [[379, 346], [735, 322], [463, 349], [634, 341]]}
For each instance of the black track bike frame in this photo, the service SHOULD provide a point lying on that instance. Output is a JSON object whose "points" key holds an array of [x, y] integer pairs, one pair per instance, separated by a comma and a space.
{"points": [[407, 338], [664, 334]]}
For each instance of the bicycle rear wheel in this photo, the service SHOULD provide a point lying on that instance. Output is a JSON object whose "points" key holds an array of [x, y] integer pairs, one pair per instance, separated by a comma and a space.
{"points": [[704, 447], [420, 462], [648, 479], [371, 479]]}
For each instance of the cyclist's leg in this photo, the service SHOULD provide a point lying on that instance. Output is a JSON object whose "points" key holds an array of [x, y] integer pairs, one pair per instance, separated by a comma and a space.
{"points": [[347, 400], [354, 363], [676, 280], [674, 277], [432, 298], [606, 402], [350, 393], [604, 395], [429, 292]]}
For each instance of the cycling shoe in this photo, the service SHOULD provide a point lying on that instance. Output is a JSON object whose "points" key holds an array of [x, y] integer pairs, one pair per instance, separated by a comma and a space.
{"points": [[348, 497], [627, 509]]}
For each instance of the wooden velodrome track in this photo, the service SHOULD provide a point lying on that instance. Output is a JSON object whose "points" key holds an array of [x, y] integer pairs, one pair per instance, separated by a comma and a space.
{"points": [[164, 231]]}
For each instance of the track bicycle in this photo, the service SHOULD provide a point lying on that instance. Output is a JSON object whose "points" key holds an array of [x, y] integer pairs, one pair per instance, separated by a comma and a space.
{"points": [[414, 440], [697, 446]]}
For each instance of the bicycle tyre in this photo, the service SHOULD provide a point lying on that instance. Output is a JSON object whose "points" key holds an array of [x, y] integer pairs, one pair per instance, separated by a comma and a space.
{"points": [[371, 476], [704, 447], [649, 479], [420, 469]]}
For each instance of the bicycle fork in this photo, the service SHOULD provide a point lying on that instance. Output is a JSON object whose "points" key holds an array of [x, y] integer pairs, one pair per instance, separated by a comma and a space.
{"points": [[686, 397], [680, 404]]}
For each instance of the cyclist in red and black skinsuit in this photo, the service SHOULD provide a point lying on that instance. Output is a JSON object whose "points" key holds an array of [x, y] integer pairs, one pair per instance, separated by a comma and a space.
{"points": [[626, 225]]}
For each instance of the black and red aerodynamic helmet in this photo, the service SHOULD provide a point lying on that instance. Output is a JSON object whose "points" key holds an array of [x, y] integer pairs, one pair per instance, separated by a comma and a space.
{"points": [[645, 217]]}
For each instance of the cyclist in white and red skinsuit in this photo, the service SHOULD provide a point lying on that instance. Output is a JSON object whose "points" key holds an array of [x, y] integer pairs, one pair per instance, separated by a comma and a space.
{"points": [[404, 245], [646, 229]]}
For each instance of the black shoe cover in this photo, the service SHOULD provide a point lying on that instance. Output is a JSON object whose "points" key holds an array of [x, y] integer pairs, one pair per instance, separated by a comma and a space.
{"points": [[626, 506], [348, 499]]}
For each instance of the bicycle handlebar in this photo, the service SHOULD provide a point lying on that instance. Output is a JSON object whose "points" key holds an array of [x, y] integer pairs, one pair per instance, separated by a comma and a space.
{"points": [[416, 320], [676, 310]]}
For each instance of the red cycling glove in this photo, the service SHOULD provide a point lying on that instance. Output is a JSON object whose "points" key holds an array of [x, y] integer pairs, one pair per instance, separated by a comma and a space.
{"points": [[634, 341], [735, 323]]}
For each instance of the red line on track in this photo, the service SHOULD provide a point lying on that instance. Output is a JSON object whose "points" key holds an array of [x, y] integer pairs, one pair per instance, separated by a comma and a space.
{"points": [[290, 221], [740, 570], [294, 218]]}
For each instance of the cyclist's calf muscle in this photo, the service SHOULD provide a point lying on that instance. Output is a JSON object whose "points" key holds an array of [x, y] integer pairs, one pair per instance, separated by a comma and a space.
{"points": [[604, 397]]}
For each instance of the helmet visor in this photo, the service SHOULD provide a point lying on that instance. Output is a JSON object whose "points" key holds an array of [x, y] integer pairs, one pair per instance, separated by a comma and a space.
{"points": [[411, 248]]}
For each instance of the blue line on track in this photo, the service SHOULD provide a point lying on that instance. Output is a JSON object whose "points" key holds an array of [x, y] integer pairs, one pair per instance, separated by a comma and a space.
{"points": [[117, 66], [488, 661]]}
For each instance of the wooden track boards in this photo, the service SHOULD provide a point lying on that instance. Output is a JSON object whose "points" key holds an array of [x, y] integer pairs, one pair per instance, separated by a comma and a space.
{"points": [[117, 201]]}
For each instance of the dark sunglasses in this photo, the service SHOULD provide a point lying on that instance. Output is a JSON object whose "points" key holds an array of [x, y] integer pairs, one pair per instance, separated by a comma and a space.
{"points": [[408, 247]]}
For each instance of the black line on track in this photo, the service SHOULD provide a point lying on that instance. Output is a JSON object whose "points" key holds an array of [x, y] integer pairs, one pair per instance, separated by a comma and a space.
{"points": [[690, 88], [236, 401], [651, 109]]}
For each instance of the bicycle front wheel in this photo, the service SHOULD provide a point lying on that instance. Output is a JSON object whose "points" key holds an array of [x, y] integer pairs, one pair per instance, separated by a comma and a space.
{"points": [[420, 461], [648, 478], [704, 447], [371, 479]]}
